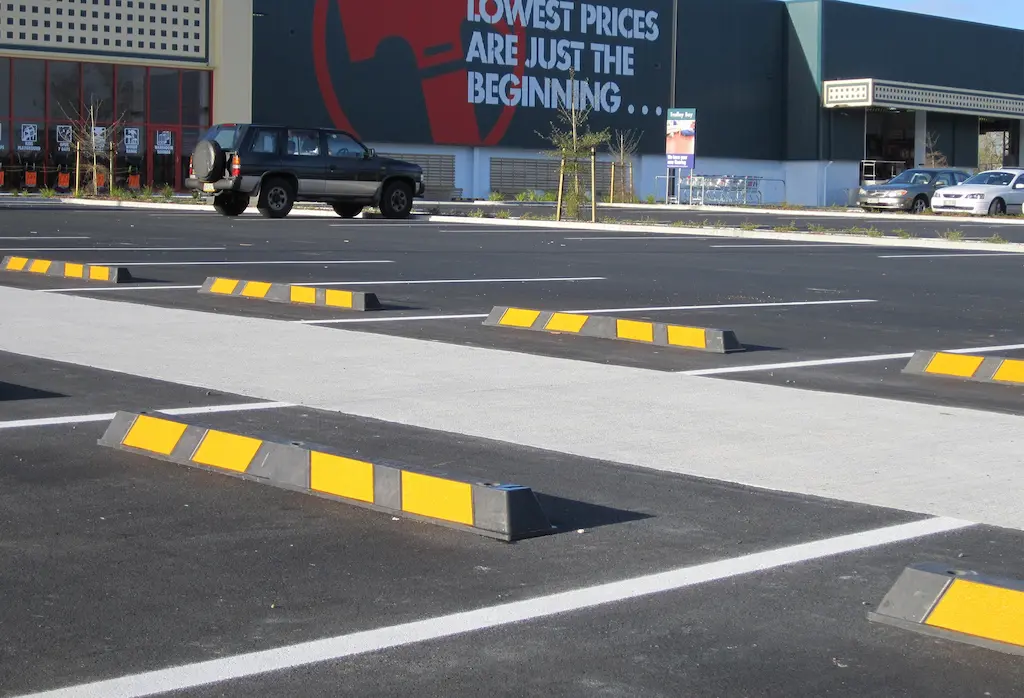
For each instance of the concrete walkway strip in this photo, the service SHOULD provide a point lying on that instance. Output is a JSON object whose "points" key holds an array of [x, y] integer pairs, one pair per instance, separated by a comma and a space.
{"points": [[768, 436], [332, 649]]}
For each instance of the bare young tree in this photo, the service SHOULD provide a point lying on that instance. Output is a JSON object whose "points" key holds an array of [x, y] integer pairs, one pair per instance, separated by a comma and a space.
{"points": [[623, 146], [572, 141], [93, 142], [933, 157], [991, 148]]}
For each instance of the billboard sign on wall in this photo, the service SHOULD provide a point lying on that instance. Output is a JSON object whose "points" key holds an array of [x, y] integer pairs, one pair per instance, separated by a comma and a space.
{"points": [[681, 138], [463, 72]]}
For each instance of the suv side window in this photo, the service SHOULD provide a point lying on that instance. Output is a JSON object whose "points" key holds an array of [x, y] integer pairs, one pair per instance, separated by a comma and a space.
{"points": [[265, 141], [342, 145], [304, 143]]}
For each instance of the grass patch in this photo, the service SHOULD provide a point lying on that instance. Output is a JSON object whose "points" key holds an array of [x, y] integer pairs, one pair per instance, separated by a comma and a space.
{"points": [[996, 239], [47, 193], [952, 235], [476, 213], [503, 214], [903, 234], [747, 225], [495, 196], [650, 199], [815, 228], [791, 228]]}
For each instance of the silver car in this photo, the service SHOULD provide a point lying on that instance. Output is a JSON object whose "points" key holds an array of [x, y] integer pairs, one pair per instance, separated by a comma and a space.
{"points": [[911, 190]]}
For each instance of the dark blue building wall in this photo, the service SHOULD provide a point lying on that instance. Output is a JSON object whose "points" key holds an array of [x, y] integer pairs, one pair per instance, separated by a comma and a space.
{"points": [[870, 42]]}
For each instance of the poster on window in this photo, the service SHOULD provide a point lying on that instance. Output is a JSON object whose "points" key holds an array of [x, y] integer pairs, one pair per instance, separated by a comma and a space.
{"points": [[132, 140], [99, 138], [681, 138], [164, 143], [28, 138], [65, 137]]}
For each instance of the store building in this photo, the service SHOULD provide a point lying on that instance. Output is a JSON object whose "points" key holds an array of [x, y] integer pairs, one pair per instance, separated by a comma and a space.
{"points": [[810, 96]]}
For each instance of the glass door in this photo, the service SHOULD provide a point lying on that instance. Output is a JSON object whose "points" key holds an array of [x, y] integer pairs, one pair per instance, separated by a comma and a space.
{"points": [[165, 155]]}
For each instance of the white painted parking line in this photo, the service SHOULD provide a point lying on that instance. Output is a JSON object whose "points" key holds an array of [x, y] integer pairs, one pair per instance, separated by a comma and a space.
{"points": [[777, 245], [188, 676], [956, 254], [44, 237], [391, 282], [840, 361], [175, 411], [665, 236], [229, 263], [724, 306], [126, 248]]}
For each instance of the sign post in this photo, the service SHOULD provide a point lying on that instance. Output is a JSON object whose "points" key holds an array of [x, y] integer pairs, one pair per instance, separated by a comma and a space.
{"points": [[681, 143]]}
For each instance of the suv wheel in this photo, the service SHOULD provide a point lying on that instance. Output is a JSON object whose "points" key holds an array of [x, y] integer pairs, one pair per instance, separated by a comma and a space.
{"points": [[348, 210], [277, 196], [208, 161], [397, 200], [231, 204]]}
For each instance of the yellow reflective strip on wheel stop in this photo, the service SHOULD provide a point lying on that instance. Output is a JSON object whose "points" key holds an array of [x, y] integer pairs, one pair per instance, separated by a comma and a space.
{"points": [[154, 435], [518, 317], [225, 286], [437, 498], [637, 331], [566, 322], [338, 299], [40, 266], [226, 451], [1010, 371], [342, 477], [99, 273], [955, 365], [981, 610], [303, 294], [17, 263], [695, 337], [256, 289], [74, 271]]}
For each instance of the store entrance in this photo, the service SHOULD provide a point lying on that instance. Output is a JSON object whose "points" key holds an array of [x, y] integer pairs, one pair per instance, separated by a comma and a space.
{"points": [[165, 154]]}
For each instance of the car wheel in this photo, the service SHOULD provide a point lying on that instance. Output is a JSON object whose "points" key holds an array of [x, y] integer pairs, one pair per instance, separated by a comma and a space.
{"points": [[231, 204], [208, 161], [277, 196], [998, 208], [397, 200], [348, 210], [920, 205]]}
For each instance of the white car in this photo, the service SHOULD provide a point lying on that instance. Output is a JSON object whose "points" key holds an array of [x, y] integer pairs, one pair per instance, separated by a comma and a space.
{"points": [[992, 193]]}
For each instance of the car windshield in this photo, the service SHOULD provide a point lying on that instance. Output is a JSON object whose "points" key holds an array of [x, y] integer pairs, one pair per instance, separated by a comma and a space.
{"points": [[226, 136], [994, 179], [913, 177]]}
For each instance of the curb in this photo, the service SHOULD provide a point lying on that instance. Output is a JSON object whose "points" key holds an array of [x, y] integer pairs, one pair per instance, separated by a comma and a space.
{"points": [[503, 512], [66, 270], [958, 605], [916, 243], [981, 369], [290, 293], [642, 331], [205, 208]]}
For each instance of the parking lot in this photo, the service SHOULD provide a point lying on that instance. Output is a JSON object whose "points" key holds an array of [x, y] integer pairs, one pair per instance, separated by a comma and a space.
{"points": [[723, 523]]}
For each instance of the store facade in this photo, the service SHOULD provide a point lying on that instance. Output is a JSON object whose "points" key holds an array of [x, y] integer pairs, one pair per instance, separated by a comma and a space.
{"points": [[130, 82]]}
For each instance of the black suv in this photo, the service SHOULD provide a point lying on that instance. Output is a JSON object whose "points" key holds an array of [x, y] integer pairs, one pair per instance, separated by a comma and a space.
{"points": [[281, 165]]}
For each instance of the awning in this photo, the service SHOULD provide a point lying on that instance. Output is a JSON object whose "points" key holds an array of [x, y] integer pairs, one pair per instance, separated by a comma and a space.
{"points": [[869, 92]]}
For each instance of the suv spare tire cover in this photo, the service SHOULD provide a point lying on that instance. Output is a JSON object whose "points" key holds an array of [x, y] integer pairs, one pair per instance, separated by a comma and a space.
{"points": [[208, 161]]}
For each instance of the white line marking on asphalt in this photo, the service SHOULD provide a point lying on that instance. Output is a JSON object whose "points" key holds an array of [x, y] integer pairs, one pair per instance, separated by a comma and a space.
{"points": [[412, 318], [113, 249], [395, 282], [225, 263], [45, 237], [840, 361], [957, 254], [774, 245], [331, 649], [666, 236], [176, 412]]}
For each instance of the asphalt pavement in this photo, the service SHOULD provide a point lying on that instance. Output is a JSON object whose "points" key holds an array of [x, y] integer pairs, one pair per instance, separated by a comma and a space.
{"points": [[118, 565], [894, 224]]}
